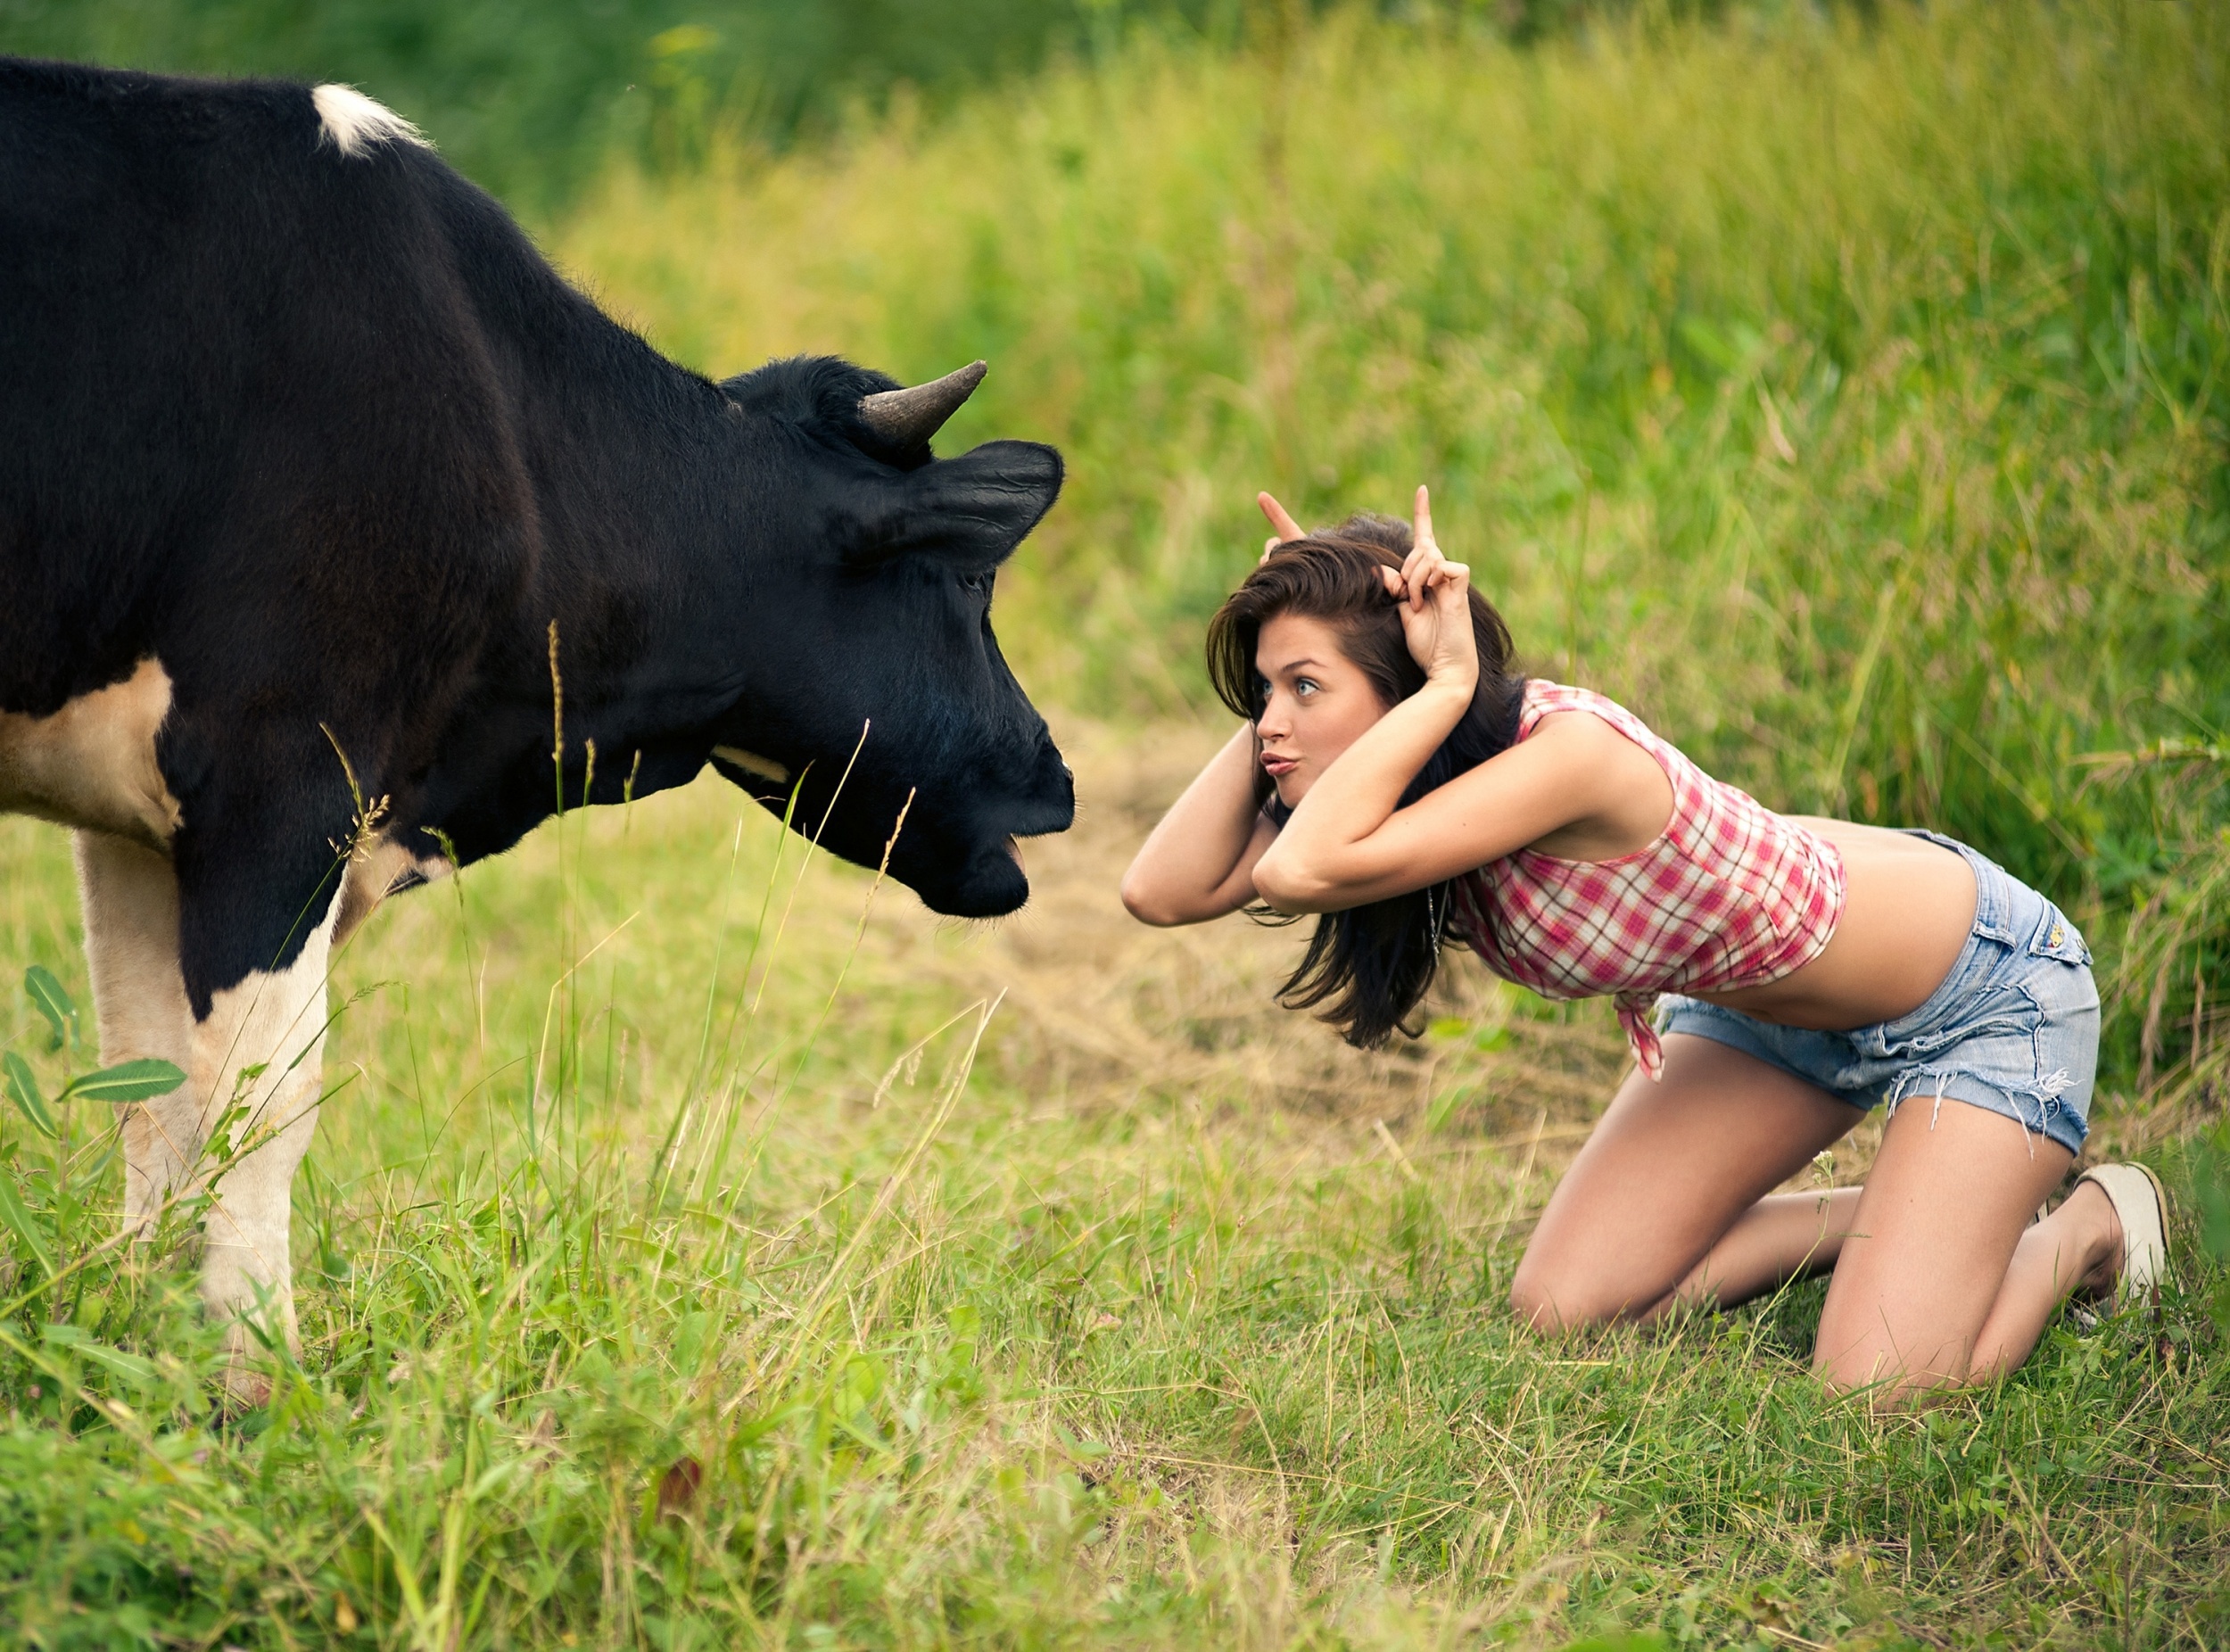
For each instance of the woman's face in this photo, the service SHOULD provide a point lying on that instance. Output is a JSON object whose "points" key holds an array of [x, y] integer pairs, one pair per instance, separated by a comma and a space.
{"points": [[1319, 702]]}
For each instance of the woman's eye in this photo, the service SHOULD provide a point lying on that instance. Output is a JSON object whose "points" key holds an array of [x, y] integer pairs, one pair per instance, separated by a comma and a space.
{"points": [[1304, 686]]}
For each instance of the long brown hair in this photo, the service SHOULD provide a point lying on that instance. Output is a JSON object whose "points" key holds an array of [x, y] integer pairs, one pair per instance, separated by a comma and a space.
{"points": [[1372, 964]]}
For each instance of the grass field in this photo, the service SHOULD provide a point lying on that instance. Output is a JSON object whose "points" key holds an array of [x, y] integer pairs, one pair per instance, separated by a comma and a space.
{"points": [[703, 1247]]}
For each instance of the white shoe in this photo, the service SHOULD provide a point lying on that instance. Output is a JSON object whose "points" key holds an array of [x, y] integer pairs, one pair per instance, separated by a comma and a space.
{"points": [[2143, 1206]]}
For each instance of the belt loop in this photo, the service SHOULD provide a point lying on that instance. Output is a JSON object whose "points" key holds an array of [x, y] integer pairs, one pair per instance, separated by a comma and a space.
{"points": [[1994, 912], [1994, 908]]}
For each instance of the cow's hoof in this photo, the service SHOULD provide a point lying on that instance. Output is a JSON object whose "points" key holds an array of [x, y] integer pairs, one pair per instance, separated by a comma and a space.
{"points": [[246, 1381], [242, 1390]]}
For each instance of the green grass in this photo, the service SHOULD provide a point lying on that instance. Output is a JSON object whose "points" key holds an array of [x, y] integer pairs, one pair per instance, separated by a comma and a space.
{"points": [[988, 1353], [997, 1352], [679, 1268]]}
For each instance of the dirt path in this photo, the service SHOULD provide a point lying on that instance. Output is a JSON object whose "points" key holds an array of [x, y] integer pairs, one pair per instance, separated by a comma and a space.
{"points": [[1108, 1010]]}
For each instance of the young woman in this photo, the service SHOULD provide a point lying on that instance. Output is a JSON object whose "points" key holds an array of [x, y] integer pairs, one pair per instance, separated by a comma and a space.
{"points": [[1393, 774]]}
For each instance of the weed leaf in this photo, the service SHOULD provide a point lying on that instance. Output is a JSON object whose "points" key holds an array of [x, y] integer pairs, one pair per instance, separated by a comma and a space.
{"points": [[48, 998], [131, 1368], [19, 1222], [127, 1081], [23, 1091]]}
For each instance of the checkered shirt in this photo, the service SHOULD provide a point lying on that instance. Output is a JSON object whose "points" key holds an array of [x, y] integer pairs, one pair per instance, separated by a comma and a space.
{"points": [[1732, 895]]}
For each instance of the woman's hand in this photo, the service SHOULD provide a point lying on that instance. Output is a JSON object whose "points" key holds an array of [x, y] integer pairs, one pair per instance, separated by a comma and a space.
{"points": [[1351, 841], [1287, 528], [1435, 597]]}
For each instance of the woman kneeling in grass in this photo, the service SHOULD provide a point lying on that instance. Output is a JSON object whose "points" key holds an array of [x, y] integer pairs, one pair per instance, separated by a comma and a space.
{"points": [[1395, 776]]}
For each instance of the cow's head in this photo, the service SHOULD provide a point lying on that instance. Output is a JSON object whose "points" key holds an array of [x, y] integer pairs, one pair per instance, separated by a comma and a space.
{"points": [[874, 682]]}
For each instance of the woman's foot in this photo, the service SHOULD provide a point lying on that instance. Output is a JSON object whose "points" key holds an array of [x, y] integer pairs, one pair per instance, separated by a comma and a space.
{"points": [[2129, 1211]]}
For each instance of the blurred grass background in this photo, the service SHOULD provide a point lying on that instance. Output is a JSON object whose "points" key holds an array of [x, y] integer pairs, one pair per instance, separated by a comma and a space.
{"points": [[531, 100], [1839, 386]]}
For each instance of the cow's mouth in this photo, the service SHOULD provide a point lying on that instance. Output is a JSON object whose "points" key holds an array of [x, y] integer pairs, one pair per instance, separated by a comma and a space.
{"points": [[989, 880]]}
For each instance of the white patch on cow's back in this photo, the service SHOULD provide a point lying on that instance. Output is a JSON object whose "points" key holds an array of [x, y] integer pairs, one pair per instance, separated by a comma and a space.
{"points": [[92, 764], [354, 122]]}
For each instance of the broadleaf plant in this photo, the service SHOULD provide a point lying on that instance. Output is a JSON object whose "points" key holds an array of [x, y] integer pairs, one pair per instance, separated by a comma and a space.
{"points": [[23, 1088], [48, 998], [127, 1081]]}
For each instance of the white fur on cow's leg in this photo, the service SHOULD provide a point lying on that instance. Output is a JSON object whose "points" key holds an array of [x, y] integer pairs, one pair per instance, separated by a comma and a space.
{"points": [[275, 1020], [131, 943]]}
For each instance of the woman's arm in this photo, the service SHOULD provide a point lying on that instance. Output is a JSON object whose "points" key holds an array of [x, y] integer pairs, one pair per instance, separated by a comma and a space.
{"points": [[1347, 844], [1576, 781], [1199, 862]]}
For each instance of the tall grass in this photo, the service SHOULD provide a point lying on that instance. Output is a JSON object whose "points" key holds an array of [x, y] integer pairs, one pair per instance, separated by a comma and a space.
{"points": [[947, 1344], [1847, 395]]}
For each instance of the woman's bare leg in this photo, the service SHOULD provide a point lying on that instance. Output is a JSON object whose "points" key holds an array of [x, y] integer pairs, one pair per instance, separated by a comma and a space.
{"points": [[1665, 1196], [1783, 1236], [1942, 1281], [2077, 1246], [1940, 1278]]}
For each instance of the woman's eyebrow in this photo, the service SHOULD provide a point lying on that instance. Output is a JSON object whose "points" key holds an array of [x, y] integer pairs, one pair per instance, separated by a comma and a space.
{"points": [[1297, 665]]}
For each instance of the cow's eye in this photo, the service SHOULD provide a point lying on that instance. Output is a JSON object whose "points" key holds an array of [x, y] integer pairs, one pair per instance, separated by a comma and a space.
{"points": [[979, 583]]}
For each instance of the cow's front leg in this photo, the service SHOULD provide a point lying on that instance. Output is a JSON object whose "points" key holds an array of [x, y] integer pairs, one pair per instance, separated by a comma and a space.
{"points": [[256, 1057], [131, 943]]}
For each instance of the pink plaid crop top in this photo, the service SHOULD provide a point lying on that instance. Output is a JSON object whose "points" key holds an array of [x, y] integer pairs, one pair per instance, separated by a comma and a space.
{"points": [[1730, 894]]}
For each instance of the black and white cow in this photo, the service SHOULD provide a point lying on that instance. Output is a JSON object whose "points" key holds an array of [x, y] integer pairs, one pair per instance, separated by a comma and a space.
{"points": [[310, 467]]}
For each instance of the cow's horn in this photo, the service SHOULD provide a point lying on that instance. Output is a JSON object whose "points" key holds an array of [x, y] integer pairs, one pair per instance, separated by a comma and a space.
{"points": [[903, 417]]}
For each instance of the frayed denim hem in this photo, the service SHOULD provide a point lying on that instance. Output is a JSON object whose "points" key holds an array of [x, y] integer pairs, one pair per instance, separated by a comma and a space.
{"points": [[2039, 1112]]}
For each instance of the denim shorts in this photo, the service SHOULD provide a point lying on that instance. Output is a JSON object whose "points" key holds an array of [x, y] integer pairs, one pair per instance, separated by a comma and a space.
{"points": [[2013, 1027]]}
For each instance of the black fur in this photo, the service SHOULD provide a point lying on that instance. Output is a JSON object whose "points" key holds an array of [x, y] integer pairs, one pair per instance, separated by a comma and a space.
{"points": [[327, 438]]}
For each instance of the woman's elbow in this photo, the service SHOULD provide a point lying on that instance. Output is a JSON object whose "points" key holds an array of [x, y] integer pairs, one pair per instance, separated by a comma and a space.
{"points": [[1150, 904], [1290, 888]]}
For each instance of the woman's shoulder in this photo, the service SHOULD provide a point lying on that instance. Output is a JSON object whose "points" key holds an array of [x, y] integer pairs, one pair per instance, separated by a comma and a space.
{"points": [[1608, 734], [1544, 699]]}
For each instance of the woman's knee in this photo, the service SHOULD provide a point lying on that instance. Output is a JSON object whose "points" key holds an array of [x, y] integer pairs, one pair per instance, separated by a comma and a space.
{"points": [[1884, 1389], [1551, 1299], [1534, 1305], [1889, 1378]]}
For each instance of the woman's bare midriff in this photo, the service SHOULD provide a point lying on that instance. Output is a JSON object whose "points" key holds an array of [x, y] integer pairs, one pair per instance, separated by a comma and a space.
{"points": [[1910, 908]]}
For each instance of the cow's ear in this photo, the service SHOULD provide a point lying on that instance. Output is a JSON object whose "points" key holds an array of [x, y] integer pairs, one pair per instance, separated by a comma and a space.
{"points": [[971, 511]]}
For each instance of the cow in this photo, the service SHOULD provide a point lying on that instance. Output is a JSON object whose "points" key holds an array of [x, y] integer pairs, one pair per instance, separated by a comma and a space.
{"points": [[341, 541]]}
